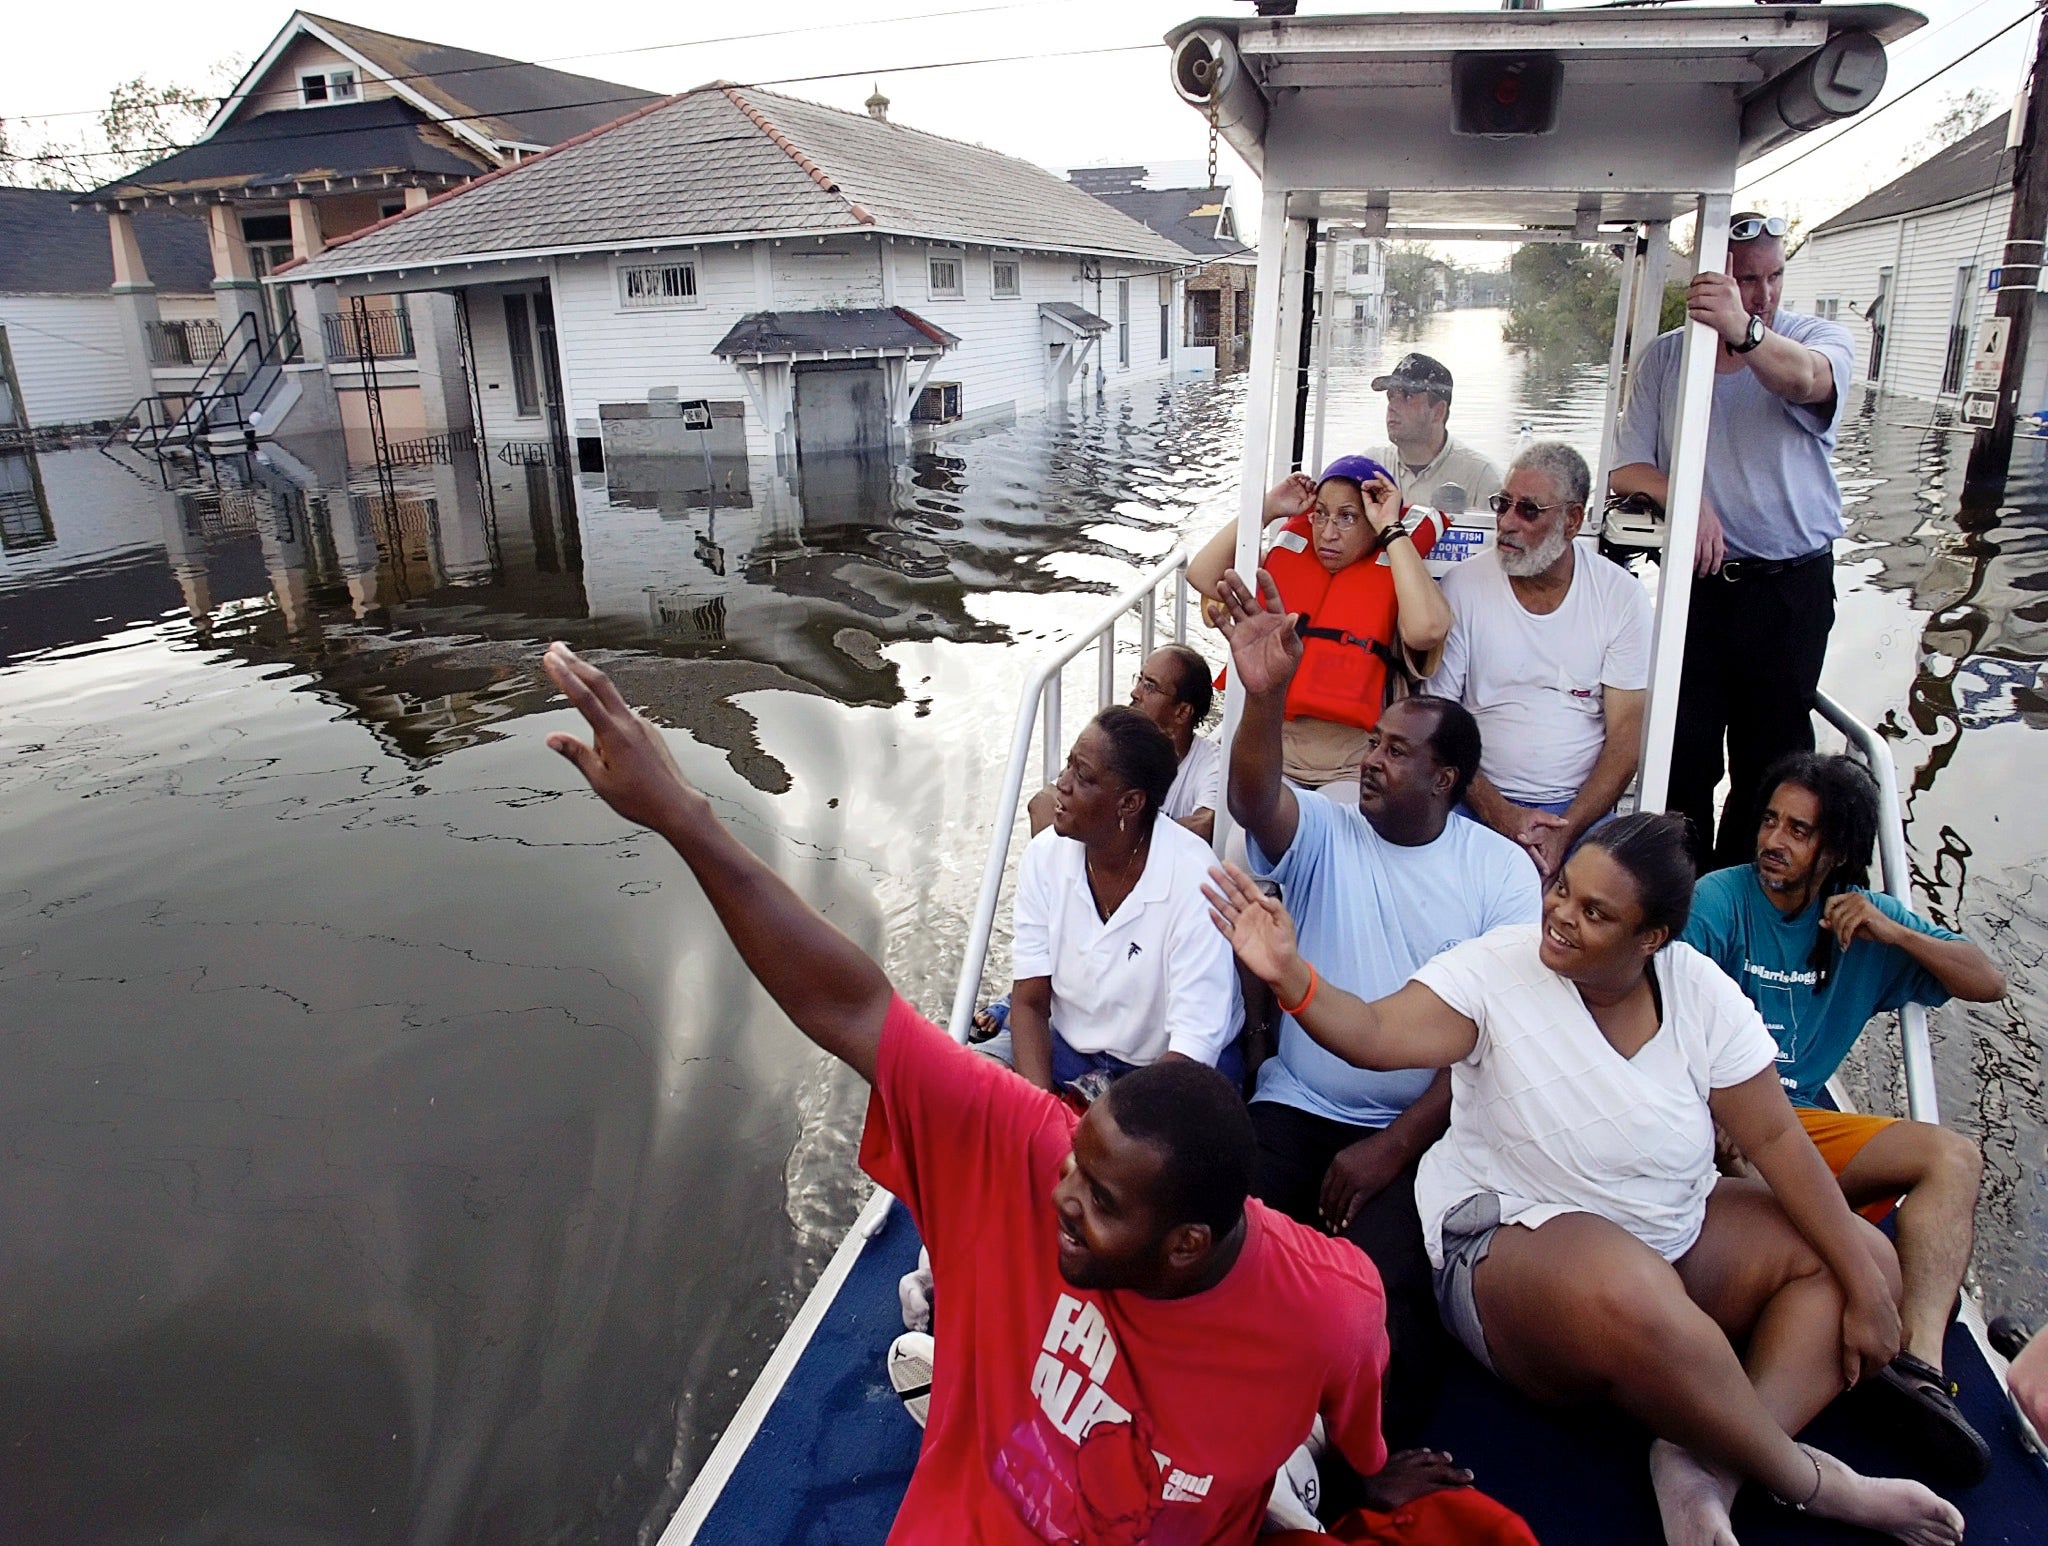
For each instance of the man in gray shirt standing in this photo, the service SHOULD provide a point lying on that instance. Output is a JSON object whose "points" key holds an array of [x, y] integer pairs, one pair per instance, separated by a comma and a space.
{"points": [[1763, 595]]}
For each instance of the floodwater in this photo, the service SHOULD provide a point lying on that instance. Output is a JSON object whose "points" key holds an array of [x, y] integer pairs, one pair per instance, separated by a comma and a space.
{"points": [[393, 1148]]}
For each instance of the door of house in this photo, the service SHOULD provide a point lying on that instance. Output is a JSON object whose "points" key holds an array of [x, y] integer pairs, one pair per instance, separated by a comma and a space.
{"points": [[1878, 315], [840, 406], [550, 368], [1960, 308]]}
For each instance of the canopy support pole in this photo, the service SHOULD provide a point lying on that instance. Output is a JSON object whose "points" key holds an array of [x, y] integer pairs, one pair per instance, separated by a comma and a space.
{"points": [[1682, 520], [1617, 359], [1275, 340], [1326, 317]]}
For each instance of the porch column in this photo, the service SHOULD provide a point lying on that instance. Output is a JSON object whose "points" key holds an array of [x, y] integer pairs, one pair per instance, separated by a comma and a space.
{"points": [[415, 197], [236, 292], [437, 347], [134, 301], [307, 240]]}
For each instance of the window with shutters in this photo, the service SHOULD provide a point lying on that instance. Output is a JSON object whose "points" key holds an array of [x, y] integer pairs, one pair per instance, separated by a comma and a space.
{"points": [[648, 286]]}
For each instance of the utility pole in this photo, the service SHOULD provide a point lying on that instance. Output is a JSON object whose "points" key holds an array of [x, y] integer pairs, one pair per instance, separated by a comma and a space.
{"points": [[1991, 455]]}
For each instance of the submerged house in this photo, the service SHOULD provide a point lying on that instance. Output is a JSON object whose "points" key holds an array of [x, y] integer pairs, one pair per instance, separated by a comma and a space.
{"points": [[822, 279], [1219, 292], [67, 357], [1908, 271], [333, 128]]}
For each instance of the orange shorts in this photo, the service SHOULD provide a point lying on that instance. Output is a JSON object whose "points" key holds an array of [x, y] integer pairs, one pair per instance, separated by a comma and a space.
{"points": [[1840, 1137]]}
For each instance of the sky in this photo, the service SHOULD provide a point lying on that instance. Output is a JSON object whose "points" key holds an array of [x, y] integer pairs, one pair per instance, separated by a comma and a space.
{"points": [[1061, 108]]}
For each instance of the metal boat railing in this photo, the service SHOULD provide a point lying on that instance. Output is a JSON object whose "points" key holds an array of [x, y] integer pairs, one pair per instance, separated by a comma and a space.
{"points": [[1895, 874], [1041, 708]]}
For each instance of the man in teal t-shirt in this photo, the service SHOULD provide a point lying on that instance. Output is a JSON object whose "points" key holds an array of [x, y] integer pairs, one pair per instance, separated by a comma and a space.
{"points": [[1818, 954]]}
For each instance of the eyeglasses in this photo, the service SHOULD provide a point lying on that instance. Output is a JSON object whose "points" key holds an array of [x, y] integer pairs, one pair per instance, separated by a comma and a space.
{"points": [[1343, 520], [1750, 227], [1527, 509], [1151, 684]]}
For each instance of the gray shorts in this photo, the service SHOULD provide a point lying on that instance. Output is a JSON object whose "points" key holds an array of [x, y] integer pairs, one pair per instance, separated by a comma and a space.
{"points": [[1468, 1232]]}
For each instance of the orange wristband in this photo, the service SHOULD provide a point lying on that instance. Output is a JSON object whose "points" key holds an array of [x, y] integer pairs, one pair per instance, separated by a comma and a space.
{"points": [[1307, 998]]}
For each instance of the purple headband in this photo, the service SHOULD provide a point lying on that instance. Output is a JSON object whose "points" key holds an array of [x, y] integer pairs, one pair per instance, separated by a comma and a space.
{"points": [[1359, 469]]}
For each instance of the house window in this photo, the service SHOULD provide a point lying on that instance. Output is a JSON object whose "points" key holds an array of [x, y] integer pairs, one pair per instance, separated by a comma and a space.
{"points": [[519, 341], [389, 208], [947, 274], [320, 86], [1006, 278], [647, 285]]}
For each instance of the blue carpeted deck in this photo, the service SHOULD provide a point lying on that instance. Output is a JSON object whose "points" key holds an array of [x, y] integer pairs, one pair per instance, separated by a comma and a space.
{"points": [[830, 1463]]}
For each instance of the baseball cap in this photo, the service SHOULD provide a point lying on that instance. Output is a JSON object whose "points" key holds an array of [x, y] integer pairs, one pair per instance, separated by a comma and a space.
{"points": [[1416, 373], [1359, 469]]}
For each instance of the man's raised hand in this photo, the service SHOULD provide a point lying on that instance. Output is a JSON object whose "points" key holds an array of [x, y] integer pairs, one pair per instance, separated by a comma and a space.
{"points": [[627, 761], [1264, 648]]}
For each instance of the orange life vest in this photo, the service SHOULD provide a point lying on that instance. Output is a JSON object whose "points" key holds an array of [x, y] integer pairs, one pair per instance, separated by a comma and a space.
{"points": [[1347, 629]]}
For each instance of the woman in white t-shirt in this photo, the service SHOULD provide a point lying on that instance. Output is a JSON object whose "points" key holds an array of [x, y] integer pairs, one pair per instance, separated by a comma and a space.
{"points": [[1115, 961], [1583, 1245]]}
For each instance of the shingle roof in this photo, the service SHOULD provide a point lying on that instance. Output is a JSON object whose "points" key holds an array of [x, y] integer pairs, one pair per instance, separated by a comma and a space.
{"points": [[48, 247], [507, 99], [278, 150], [1187, 216], [1975, 164], [733, 161], [884, 329], [1078, 319]]}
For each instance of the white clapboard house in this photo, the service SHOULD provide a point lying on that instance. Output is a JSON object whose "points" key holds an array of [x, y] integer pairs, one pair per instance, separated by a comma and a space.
{"points": [[822, 278], [1909, 268]]}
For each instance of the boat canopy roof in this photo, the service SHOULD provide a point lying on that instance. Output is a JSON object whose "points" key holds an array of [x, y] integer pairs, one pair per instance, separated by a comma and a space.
{"points": [[1653, 107]]}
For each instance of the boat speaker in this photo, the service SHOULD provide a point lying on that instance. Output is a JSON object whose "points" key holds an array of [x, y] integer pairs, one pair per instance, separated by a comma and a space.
{"points": [[1504, 96]]}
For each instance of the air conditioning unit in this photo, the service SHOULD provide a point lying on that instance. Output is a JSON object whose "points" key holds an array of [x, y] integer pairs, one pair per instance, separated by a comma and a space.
{"points": [[938, 403]]}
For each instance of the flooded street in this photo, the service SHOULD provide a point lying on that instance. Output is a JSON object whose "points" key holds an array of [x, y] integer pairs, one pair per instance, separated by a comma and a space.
{"points": [[394, 1150]]}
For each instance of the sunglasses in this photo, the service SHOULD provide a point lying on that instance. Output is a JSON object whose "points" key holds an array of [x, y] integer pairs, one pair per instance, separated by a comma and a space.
{"points": [[1750, 227], [1527, 509]]}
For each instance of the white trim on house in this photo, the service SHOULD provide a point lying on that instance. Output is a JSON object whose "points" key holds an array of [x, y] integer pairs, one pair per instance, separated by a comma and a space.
{"points": [[300, 24]]}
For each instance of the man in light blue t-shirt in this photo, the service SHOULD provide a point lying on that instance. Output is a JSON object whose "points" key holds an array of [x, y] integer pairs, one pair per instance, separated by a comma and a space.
{"points": [[1374, 892], [1764, 586], [1818, 954]]}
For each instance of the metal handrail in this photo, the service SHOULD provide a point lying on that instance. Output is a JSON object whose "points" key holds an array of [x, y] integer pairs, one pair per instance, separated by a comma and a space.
{"points": [[1041, 692], [1917, 1053]]}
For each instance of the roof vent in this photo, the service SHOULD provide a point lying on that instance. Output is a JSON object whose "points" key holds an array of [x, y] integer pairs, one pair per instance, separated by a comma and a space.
{"points": [[878, 105]]}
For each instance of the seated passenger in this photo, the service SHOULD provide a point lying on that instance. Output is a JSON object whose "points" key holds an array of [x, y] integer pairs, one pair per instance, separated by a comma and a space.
{"points": [[1551, 653], [1379, 887], [1115, 963], [1347, 562], [1584, 1247], [1819, 954], [1174, 692], [1428, 462], [1090, 1268]]}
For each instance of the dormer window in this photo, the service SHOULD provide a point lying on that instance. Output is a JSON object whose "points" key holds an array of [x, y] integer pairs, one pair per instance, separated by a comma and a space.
{"points": [[323, 86], [1226, 227]]}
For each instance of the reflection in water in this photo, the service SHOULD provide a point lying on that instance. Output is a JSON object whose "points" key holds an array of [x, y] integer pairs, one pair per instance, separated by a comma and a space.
{"points": [[394, 1149]]}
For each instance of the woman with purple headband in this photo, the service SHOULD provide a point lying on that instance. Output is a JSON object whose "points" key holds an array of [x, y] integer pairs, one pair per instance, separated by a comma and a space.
{"points": [[1347, 559]]}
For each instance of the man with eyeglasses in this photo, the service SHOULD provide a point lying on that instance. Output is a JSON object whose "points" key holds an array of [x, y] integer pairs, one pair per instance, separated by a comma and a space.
{"points": [[1550, 651], [1427, 460], [1763, 597]]}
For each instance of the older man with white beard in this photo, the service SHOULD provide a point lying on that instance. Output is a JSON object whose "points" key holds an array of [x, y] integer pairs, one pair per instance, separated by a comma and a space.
{"points": [[1550, 652]]}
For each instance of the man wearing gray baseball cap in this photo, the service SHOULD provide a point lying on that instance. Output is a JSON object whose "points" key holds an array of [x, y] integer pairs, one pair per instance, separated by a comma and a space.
{"points": [[1425, 458]]}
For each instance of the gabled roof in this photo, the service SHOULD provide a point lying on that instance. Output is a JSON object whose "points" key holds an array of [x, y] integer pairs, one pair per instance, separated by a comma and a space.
{"points": [[1974, 166], [876, 330], [729, 162], [513, 102], [1195, 218], [384, 138], [48, 247]]}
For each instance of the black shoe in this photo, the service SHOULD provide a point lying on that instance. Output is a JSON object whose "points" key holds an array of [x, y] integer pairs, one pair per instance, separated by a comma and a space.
{"points": [[1920, 1413], [2008, 1334]]}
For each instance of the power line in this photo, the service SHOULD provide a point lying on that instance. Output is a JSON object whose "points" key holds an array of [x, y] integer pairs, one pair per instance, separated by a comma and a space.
{"points": [[62, 158], [644, 48], [1876, 113]]}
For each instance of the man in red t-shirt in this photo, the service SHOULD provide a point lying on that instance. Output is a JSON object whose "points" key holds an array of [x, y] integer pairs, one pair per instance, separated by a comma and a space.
{"points": [[1128, 1348]]}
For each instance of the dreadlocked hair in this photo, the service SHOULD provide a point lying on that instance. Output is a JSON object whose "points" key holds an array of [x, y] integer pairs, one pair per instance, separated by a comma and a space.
{"points": [[1847, 796]]}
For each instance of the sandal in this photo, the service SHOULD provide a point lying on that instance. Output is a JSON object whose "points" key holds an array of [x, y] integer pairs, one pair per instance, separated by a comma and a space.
{"points": [[1921, 1412]]}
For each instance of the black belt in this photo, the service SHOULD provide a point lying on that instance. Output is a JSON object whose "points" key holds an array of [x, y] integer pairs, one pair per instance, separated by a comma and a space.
{"points": [[1762, 568]]}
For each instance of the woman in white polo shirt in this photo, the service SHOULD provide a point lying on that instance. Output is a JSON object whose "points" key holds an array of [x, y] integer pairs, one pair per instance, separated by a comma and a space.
{"points": [[1584, 1247], [1116, 963]]}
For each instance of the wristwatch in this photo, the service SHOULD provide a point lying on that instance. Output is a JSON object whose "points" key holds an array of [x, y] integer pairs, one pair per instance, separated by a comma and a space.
{"points": [[1751, 336]]}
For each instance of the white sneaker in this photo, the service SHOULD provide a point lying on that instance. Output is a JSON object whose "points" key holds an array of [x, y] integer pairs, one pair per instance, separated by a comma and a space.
{"points": [[910, 1372]]}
